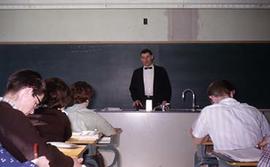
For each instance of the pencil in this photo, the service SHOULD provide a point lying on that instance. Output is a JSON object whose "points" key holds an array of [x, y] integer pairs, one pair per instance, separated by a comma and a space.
{"points": [[35, 149]]}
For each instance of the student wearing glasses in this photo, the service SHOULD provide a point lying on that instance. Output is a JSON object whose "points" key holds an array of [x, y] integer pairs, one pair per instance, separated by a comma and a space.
{"points": [[17, 135], [49, 119]]}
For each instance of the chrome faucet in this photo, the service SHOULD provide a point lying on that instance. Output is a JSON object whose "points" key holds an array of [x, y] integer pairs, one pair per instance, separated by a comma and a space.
{"points": [[194, 106]]}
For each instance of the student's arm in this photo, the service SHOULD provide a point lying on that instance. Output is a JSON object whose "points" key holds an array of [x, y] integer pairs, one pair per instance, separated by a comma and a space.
{"points": [[104, 126], [19, 136], [68, 130], [265, 128], [199, 131], [198, 140]]}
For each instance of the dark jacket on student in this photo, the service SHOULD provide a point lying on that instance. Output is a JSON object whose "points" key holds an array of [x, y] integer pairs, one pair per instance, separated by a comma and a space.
{"points": [[52, 124], [18, 135]]}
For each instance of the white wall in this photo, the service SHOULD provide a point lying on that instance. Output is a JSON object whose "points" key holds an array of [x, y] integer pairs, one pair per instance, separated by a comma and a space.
{"points": [[234, 25], [82, 25], [126, 25]]}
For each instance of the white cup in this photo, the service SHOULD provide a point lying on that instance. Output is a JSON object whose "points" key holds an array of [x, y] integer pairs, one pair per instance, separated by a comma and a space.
{"points": [[148, 105]]}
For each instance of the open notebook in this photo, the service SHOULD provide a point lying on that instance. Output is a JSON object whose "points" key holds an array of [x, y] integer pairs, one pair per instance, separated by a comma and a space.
{"points": [[242, 155]]}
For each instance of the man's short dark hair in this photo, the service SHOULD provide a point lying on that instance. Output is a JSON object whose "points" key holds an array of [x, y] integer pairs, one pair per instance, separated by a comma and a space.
{"points": [[26, 78], [220, 88], [146, 51], [58, 94], [81, 92]]}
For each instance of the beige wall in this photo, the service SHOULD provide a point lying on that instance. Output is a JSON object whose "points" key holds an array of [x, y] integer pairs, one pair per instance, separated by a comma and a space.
{"points": [[234, 25], [126, 25]]}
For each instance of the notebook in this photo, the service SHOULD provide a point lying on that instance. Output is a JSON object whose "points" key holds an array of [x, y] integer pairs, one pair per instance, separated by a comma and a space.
{"points": [[242, 155]]}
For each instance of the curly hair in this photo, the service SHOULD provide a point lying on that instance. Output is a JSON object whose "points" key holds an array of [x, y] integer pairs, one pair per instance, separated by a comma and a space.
{"points": [[57, 95], [81, 92]]}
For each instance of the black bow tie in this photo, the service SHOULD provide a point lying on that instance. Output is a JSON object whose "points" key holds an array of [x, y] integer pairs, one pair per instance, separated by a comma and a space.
{"points": [[147, 68]]}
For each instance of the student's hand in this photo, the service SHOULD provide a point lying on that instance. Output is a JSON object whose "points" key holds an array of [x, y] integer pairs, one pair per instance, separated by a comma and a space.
{"points": [[77, 162], [263, 143], [206, 139], [41, 162], [118, 130], [137, 104]]}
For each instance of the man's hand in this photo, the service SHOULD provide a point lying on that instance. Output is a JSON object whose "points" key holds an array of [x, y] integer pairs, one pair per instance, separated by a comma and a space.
{"points": [[164, 102], [77, 162], [41, 162], [137, 104]]}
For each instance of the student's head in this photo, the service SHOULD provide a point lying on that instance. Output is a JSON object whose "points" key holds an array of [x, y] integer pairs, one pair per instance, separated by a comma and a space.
{"points": [[218, 90], [147, 57], [57, 95], [82, 92], [25, 88]]}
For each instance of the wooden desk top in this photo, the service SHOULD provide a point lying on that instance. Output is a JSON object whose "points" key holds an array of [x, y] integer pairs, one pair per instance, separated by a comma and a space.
{"points": [[243, 163], [74, 140], [74, 152], [234, 163], [208, 143]]}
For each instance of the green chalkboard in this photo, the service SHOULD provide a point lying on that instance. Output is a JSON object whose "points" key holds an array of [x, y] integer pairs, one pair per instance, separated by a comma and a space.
{"points": [[108, 68]]}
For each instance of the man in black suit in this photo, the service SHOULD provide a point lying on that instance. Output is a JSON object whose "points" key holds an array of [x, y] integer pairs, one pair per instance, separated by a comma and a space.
{"points": [[149, 82]]}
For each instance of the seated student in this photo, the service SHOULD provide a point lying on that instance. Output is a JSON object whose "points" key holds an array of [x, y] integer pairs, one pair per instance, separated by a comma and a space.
{"points": [[49, 119], [7, 160], [81, 117], [229, 123], [25, 89]]}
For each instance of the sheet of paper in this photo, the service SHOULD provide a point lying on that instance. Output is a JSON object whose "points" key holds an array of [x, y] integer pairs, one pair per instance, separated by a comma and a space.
{"points": [[242, 155], [105, 140], [85, 135]]}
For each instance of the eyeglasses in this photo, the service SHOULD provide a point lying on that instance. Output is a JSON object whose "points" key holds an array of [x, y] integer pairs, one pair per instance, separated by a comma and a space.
{"points": [[39, 101]]}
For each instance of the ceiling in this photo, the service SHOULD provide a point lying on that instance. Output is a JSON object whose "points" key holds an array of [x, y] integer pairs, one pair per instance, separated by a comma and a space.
{"points": [[88, 4]]}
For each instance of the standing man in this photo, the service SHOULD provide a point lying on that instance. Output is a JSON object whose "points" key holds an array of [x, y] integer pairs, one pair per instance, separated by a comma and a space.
{"points": [[149, 82]]}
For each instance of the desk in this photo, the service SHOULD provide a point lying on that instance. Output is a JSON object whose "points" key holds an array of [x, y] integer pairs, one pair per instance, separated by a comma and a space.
{"points": [[225, 160], [208, 143], [247, 164], [90, 144], [74, 140], [237, 164], [74, 152]]}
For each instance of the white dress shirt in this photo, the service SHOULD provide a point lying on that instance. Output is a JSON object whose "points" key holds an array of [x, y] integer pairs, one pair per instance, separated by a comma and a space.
{"points": [[148, 79], [231, 125]]}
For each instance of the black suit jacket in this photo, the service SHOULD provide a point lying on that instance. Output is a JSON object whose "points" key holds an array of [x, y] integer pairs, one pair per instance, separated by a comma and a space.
{"points": [[162, 86]]}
